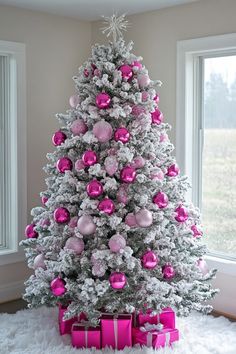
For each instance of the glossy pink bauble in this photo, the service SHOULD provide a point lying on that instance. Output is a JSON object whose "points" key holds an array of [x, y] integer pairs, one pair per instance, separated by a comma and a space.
{"points": [[103, 100], [149, 260], [73, 222], [79, 165], [144, 218], [89, 158], [130, 220], [126, 72], [122, 134], [136, 64], [181, 214], [156, 98], [64, 164], [107, 206], [30, 231], [157, 117], [58, 138], [161, 200], [74, 101], [116, 243], [196, 232], [94, 189], [168, 271], [143, 80], [39, 261], [75, 244], [58, 287], [44, 200], [173, 170], [103, 131], [86, 225], [203, 267], [138, 162], [61, 215], [111, 165], [128, 174], [122, 196], [117, 280], [78, 127]]}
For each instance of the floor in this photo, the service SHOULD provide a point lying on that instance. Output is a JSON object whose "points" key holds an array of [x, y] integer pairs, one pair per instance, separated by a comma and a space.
{"points": [[13, 306]]}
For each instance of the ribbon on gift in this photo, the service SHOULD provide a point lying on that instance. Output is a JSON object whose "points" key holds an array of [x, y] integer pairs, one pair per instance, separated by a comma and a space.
{"points": [[151, 327], [85, 326], [116, 331], [150, 336]]}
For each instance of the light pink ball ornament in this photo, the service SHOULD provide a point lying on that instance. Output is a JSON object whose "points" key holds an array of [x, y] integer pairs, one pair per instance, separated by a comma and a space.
{"points": [[30, 231], [58, 138], [161, 200], [149, 260], [44, 200], [78, 127], [103, 100], [173, 170], [122, 196], [117, 280], [157, 117], [86, 225], [79, 165], [196, 232], [157, 175], [128, 174], [75, 244], [203, 267], [136, 64], [107, 206], [144, 218], [39, 261], [58, 286], [181, 214], [168, 271], [126, 72], [163, 138], [89, 158], [73, 222], [61, 215], [116, 243], [103, 131], [94, 189], [122, 134], [130, 220], [111, 165], [138, 162], [74, 101], [137, 110], [64, 164], [143, 80], [145, 96], [98, 269]]}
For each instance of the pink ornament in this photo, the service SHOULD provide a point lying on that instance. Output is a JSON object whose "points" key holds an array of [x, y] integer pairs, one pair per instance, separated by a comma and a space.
{"points": [[111, 165], [168, 271], [39, 261], [103, 100], [58, 138], [58, 286], [61, 215], [75, 244], [181, 214], [173, 170], [64, 164], [97, 73], [122, 196], [157, 175], [161, 200], [74, 101], [163, 138], [116, 243], [94, 189], [86, 225], [86, 72], [117, 280], [136, 64], [143, 80], [78, 127], [137, 110], [196, 232], [73, 222], [122, 134], [203, 267], [138, 162], [149, 260], [130, 220], [89, 158], [145, 96], [30, 231], [79, 165], [126, 72], [103, 131], [98, 269], [128, 174], [44, 223], [44, 200], [156, 98], [157, 117], [107, 206], [144, 218]]}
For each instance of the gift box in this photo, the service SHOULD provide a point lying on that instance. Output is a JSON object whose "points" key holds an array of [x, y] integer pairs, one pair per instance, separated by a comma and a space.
{"points": [[166, 317], [83, 336], [116, 331], [66, 325], [155, 339]]}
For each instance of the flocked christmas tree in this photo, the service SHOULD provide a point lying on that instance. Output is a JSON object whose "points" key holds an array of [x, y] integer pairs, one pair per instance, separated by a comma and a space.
{"points": [[115, 231]]}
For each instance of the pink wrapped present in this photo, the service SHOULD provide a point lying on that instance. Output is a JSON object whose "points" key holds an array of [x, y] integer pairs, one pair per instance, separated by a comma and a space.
{"points": [[66, 325], [116, 331], [155, 339], [166, 317], [83, 336]]}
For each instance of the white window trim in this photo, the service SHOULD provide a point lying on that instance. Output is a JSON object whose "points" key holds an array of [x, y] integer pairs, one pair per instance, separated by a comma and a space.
{"points": [[188, 117], [18, 166]]}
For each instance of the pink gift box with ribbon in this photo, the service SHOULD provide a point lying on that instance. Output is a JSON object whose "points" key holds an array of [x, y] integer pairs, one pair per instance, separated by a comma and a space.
{"points": [[116, 331], [155, 339], [66, 325], [166, 317], [83, 336]]}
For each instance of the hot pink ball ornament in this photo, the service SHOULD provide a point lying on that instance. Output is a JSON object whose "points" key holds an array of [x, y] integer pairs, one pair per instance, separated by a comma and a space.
{"points": [[30, 231], [78, 127], [181, 214], [143, 80], [61, 215], [94, 189], [122, 196], [64, 164], [130, 220], [79, 165], [74, 101], [58, 138], [122, 134], [126, 72], [103, 100], [44, 200], [117, 280], [39, 261], [144, 218], [149, 260], [58, 287], [136, 64], [107, 206], [75, 244], [202, 265], [73, 222], [103, 131], [89, 158], [168, 271], [196, 232], [86, 225], [128, 174], [111, 165], [157, 117], [161, 200], [116, 243], [173, 170]]}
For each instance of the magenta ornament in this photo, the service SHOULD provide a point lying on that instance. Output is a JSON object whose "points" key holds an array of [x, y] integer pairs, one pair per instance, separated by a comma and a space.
{"points": [[94, 189], [168, 271], [144, 218], [130, 220], [181, 214], [128, 174], [89, 158], [86, 72], [149, 260], [111, 165], [79, 165], [173, 170], [58, 138], [103, 100], [126, 72], [30, 231], [107, 206], [74, 101], [117, 280], [75, 244], [44, 200], [73, 222], [116, 243], [58, 287], [196, 232], [157, 117], [138, 162], [103, 131], [86, 225], [78, 127], [122, 134], [143, 80], [202, 265], [136, 64], [122, 196], [39, 262], [156, 98], [161, 200], [61, 215], [64, 164]]}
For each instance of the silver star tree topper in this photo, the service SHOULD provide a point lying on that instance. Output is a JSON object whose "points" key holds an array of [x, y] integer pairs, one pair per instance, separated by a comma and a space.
{"points": [[114, 25]]}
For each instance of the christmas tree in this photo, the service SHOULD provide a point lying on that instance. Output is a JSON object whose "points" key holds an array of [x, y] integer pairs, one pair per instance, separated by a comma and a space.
{"points": [[115, 231]]}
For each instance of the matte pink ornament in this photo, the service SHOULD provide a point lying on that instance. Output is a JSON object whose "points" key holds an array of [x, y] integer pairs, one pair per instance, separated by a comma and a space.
{"points": [[79, 165], [44, 200], [117, 280], [61, 215], [181, 214], [107, 206], [111, 165], [75, 244], [86, 225], [94, 189], [173, 170], [136, 64], [103, 131], [157, 175], [143, 80], [103, 100], [39, 262], [161, 200], [157, 117], [44, 223], [144, 218], [73, 222], [168, 271], [74, 101], [64, 164], [122, 196], [128, 174], [97, 73], [137, 110], [130, 220], [30, 231], [58, 138], [122, 134], [196, 232], [149, 260], [126, 72], [138, 162], [78, 127], [116, 243], [98, 269], [58, 287], [203, 267], [145, 96], [89, 158]]}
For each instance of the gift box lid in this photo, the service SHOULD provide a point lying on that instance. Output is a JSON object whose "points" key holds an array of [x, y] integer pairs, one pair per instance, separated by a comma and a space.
{"points": [[119, 316], [83, 326]]}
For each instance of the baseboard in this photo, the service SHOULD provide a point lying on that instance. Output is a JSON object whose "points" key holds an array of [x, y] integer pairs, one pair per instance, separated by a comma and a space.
{"points": [[227, 315], [11, 291]]}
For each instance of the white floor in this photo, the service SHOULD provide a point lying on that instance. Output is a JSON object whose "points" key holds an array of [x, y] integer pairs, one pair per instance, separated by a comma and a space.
{"points": [[35, 332]]}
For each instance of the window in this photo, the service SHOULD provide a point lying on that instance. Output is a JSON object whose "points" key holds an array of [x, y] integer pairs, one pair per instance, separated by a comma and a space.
{"points": [[12, 150]]}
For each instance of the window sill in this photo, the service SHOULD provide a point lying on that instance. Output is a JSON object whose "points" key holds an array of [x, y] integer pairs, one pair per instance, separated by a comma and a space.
{"points": [[224, 266]]}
